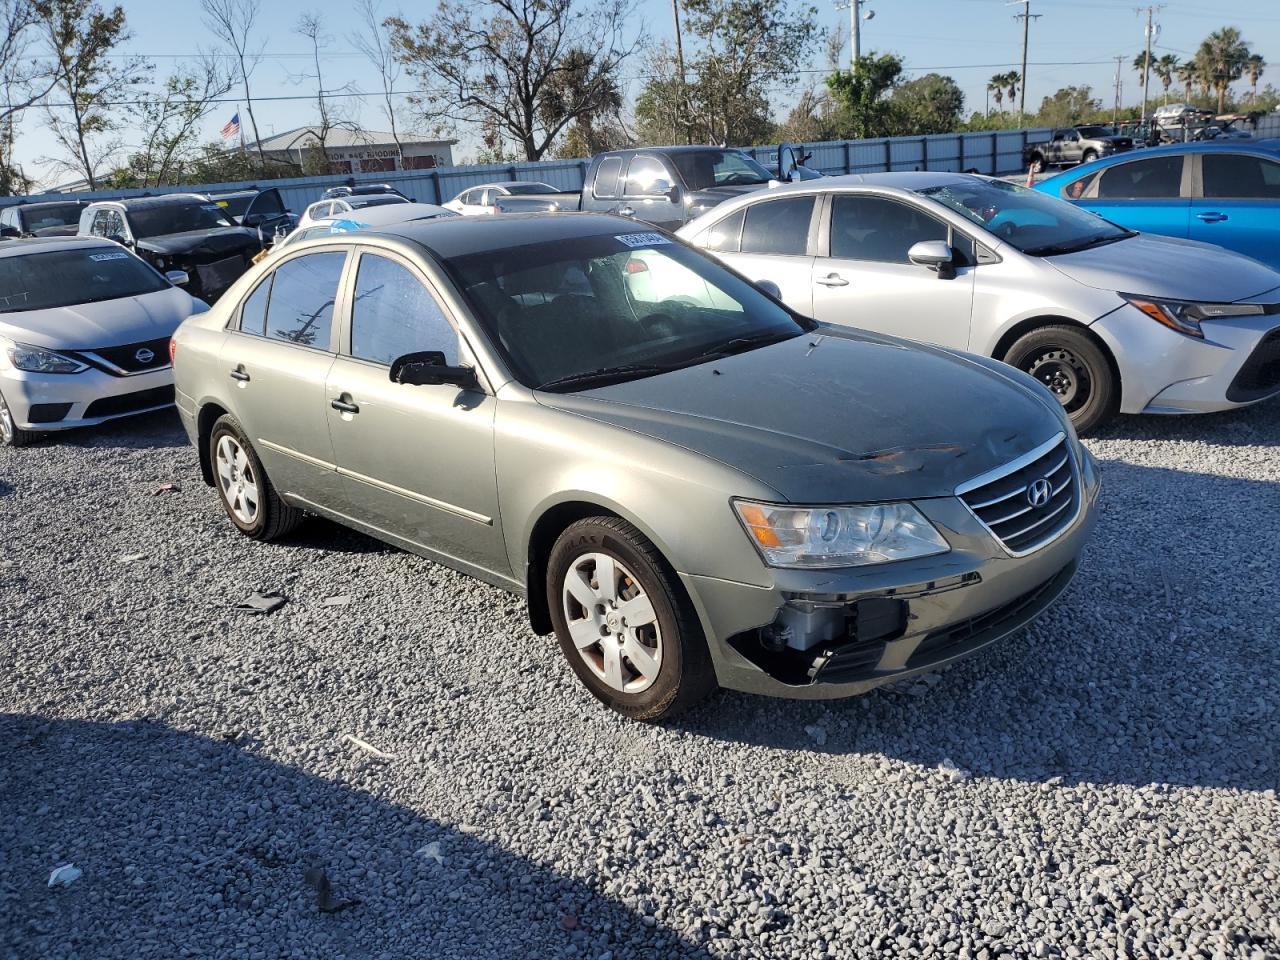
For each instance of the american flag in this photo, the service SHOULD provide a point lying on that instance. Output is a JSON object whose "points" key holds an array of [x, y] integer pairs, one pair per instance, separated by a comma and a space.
{"points": [[231, 128]]}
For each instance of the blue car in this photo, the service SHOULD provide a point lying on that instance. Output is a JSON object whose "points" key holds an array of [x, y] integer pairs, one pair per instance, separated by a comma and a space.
{"points": [[1222, 192]]}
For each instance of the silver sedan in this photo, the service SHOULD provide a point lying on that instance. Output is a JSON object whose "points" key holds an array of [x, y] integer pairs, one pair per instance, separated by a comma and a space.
{"points": [[1109, 320]]}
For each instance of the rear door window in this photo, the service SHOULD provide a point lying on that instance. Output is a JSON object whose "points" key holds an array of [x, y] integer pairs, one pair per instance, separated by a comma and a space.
{"points": [[606, 184], [1155, 178], [300, 306], [1241, 176], [778, 227]]}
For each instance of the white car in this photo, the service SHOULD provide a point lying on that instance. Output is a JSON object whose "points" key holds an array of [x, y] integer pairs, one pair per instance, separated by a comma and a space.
{"points": [[361, 219], [482, 200], [338, 206], [1107, 319], [84, 334]]}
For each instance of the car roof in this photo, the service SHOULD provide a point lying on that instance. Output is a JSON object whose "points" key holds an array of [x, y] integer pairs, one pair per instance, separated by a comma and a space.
{"points": [[18, 248], [388, 214], [37, 204], [451, 237], [147, 203]]}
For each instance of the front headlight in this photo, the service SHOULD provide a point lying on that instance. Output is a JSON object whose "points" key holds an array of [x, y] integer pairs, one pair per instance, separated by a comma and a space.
{"points": [[835, 536], [1184, 316], [40, 360]]}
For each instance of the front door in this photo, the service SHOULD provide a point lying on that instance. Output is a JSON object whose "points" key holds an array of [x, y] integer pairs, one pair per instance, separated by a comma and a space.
{"points": [[278, 358], [866, 280], [416, 461], [645, 194], [1238, 205]]}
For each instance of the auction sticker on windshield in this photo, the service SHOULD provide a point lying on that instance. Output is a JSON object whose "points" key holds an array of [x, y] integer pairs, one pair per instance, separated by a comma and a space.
{"points": [[642, 239], [114, 255]]}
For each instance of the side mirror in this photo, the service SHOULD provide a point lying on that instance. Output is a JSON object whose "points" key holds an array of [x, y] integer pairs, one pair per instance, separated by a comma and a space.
{"points": [[786, 162], [10, 232], [120, 239], [427, 368], [178, 278], [674, 194], [936, 255], [769, 287], [253, 219]]}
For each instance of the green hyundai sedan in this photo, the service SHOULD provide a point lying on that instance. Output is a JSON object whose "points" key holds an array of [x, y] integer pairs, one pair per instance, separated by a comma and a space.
{"points": [[692, 485]]}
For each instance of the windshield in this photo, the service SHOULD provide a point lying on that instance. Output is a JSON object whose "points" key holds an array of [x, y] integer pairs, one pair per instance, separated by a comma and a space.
{"points": [[1031, 221], [516, 189], [234, 206], [718, 168], [55, 215], [60, 278], [594, 310], [1091, 132], [381, 200], [177, 218]]}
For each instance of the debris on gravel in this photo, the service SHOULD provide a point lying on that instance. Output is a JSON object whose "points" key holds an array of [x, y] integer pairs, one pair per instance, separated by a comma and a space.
{"points": [[1102, 784]]}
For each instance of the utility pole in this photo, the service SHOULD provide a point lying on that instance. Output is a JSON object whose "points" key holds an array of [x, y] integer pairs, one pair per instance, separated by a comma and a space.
{"points": [[1115, 112], [855, 34], [675, 16], [1026, 16], [1146, 66]]}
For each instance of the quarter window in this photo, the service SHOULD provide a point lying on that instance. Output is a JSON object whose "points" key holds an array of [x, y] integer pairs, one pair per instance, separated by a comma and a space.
{"points": [[1156, 178], [300, 309], [778, 226], [253, 315], [874, 228], [394, 314], [1238, 175]]}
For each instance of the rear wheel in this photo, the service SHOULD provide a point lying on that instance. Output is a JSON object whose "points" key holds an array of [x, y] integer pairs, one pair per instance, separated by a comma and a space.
{"points": [[11, 435], [1073, 368], [244, 488], [625, 626]]}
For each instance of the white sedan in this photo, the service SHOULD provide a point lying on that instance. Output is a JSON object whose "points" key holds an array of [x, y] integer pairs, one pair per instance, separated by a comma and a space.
{"points": [[341, 206], [482, 200], [84, 334]]}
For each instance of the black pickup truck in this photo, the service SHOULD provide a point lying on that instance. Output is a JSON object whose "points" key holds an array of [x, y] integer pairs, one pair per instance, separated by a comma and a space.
{"points": [[668, 186]]}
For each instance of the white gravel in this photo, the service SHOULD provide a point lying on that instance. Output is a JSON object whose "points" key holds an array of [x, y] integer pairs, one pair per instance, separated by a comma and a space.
{"points": [[1100, 785]]}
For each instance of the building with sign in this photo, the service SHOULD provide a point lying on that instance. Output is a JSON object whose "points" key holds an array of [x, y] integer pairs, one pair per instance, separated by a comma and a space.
{"points": [[357, 151]]}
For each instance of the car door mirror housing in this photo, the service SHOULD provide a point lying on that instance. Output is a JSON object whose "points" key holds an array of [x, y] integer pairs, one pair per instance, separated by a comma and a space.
{"points": [[121, 239], [428, 368], [771, 288], [179, 278], [936, 255]]}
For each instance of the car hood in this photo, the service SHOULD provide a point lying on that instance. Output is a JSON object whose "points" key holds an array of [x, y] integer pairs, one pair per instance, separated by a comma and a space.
{"points": [[835, 416], [1167, 267], [210, 242], [107, 323]]}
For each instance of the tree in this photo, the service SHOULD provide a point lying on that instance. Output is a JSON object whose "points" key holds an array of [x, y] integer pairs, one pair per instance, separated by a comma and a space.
{"points": [[375, 43], [24, 81], [861, 94], [1188, 73], [1067, 106], [1012, 80], [594, 130], [929, 104], [1165, 67], [499, 63], [996, 86], [1222, 57], [310, 25], [234, 22], [170, 122], [1143, 64], [81, 39], [1253, 67]]}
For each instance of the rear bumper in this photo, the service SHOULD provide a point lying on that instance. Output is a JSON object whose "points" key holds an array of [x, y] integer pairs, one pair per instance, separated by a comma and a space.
{"points": [[947, 607], [46, 402]]}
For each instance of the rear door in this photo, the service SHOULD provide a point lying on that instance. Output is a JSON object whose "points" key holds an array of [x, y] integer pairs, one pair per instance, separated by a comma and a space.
{"points": [[771, 240], [277, 358], [1237, 204], [863, 278], [1148, 194], [416, 461]]}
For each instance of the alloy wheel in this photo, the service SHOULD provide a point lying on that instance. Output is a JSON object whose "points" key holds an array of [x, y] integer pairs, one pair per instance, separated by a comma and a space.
{"points": [[236, 480], [612, 622], [6, 422]]}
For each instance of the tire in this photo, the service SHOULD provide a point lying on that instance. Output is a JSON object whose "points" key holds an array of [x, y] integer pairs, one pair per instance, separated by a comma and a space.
{"points": [[671, 670], [245, 490], [1074, 369], [1089, 156], [11, 435]]}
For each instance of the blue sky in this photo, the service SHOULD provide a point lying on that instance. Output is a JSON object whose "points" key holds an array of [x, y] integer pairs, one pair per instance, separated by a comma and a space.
{"points": [[1074, 42]]}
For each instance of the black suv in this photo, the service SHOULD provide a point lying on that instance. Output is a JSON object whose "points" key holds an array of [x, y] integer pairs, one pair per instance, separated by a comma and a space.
{"points": [[44, 218]]}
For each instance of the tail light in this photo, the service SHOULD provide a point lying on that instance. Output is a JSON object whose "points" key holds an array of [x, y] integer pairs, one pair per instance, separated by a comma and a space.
{"points": [[173, 350], [636, 266]]}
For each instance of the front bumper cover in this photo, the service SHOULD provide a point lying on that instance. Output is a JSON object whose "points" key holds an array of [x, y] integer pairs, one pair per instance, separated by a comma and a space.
{"points": [[46, 402]]}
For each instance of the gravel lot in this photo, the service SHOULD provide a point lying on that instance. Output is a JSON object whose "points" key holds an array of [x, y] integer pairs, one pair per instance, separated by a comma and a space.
{"points": [[1103, 784]]}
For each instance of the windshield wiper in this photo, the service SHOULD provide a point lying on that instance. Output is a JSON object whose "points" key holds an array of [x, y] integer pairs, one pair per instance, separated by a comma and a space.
{"points": [[1054, 249], [739, 345], [607, 375]]}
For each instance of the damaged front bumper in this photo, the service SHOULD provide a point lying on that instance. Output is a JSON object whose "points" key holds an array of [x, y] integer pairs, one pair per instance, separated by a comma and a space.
{"points": [[821, 634]]}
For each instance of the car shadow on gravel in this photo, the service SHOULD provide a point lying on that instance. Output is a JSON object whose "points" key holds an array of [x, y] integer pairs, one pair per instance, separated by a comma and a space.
{"points": [[196, 847], [1258, 426], [1160, 664], [156, 430], [317, 533]]}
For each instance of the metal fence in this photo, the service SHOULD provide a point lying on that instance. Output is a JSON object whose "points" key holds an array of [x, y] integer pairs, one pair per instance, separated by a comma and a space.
{"points": [[994, 153], [1268, 126]]}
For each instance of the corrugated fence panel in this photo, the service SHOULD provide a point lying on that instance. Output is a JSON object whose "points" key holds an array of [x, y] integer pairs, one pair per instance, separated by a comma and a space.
{"points": [[992, 153]]}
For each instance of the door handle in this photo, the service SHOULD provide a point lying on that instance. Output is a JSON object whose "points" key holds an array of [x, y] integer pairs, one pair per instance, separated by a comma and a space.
{"points": [[832, 280], [626, 211], [239, 373], [345, 406], [1212, 217]]}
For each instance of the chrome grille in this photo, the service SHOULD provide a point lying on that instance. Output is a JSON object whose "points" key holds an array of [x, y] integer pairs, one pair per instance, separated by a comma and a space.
{"points": [[1028, 502]]}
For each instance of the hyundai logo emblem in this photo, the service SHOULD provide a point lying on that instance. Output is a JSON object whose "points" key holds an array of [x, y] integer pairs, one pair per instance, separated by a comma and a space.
{"points": [[1039, 492], [144, 355]]}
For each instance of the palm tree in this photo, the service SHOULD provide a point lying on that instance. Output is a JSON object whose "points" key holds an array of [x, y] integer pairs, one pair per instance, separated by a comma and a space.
{"points": [[1253, 68], [1165, 67], [1012, 80], [1187, 74], [1142, 63], [1223, 56], [996, 86]]}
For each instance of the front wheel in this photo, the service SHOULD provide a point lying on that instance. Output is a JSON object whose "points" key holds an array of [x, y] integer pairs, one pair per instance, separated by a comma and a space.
{"points": [[1073, 368], [1089, 156], [11, 435], [623, 622]]}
